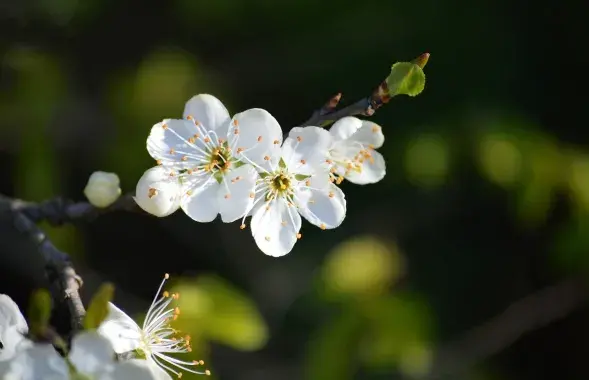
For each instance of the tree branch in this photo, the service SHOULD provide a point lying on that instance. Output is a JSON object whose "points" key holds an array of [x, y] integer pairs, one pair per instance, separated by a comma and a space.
{"points": [[524, 316], [59, 269]]}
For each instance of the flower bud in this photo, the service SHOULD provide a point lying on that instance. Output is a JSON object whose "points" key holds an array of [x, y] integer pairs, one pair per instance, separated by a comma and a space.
{"points": [[156, 193], [102, 189]]}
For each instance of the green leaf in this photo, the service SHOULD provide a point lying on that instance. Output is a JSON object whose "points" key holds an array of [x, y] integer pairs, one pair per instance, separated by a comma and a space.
{"points": [[406, 78], [301, 177], [281, 163], [39, 312], [264, 175], [215, 310], [98, 308]]}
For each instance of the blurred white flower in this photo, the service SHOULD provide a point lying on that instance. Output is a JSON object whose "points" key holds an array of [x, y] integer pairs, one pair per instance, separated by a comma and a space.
{"points": [[103, 189], [213, 157], [295, 184], [156, 339], [13, 327], [91, 357], [352, 154]]}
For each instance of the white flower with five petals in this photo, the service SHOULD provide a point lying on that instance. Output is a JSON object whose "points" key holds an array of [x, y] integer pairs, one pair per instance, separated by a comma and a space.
{"points": [[91, 357], [155, 339], [13, 326], [295, 184], [211, 157], [352, 154]]}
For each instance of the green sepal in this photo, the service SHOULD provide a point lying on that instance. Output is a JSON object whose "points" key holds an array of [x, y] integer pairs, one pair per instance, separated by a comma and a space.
{"points": [[98, 308], [301, 177], [39, 312], [281, 163]]}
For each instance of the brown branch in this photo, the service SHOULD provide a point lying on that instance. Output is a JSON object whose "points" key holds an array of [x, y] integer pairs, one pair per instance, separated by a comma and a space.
{"points": [[522, 317]]}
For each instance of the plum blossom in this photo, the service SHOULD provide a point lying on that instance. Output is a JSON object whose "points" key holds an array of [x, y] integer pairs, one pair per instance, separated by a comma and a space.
{"points": [[296, 184], [210, 157], [352, 154], [91, 357], [156, 339], [13, 327]]}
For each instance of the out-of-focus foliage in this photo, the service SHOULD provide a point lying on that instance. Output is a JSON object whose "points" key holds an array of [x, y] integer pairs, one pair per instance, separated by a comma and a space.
{"points": [[39, 312], [213, 309]]}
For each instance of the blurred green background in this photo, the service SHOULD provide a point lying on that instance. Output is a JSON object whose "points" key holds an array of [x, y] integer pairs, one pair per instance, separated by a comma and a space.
{"points": [[486, 198]]}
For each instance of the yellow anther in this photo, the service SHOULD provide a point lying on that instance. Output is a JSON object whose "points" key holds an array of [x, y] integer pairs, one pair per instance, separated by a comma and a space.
{"points": [[176, 296], [259, 138], [192, 140], [235, 122], [159, 162], [167, 276], [267, 238], [238, 178], [221, 141], [175, 318], [339, 180], [322, 226], [236, 131], [370, 146], [375, 128], [331, 195], [266, 158], [165, 294], [239, 150], [299, 236], [201, 362], [151, 192], [299, 138], [164, 126], [172, 151], [307, 183], [303, 162], [184, 158], [189, 171], [252, 195], [196, 122], [242, 227], [267, 208], [329, 161], [179, 375], [196, 136], [172, 174], [283, 223], [189, 192], [283, 186], [207, 139], [189, 117], [276, 142], [208, 373], [227, 196]]}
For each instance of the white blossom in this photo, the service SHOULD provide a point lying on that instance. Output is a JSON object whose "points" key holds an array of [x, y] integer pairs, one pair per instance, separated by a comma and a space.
{"points": [[296, 184], [155, 339], [212, 157], [352, 154], [103, 189], [157, 193], [91, 358], [13, 327]]}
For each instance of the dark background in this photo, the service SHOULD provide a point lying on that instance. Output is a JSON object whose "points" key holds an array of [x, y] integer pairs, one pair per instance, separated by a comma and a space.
{"points": [[485, 200]]}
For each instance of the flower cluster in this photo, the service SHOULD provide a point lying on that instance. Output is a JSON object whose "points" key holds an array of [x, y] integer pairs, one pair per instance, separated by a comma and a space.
{"points": [[210, 163], [92, 354]]}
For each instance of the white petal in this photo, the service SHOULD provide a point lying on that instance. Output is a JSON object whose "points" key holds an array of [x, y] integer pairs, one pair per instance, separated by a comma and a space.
{"points": [[121, 330], [12, 341], [259, 136], [39, 362], [157, 193], [325, 208], [133, 369], [209, 111], [173, 139], [234, 193], [10, 315], [372, 170], [202, 204], [305, 150], [345, 127], [369, 134], [275, 228], [91, 353]]}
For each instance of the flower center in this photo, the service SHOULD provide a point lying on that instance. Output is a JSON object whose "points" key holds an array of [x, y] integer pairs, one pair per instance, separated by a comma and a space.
{"points": [[219, 159], [280, 183]]}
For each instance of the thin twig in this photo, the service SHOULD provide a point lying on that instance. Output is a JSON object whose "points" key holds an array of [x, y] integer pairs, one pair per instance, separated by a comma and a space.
{"points": [[60, 271], [523, 316]]}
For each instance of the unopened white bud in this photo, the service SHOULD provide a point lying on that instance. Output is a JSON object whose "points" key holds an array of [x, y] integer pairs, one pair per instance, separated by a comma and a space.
{"points": [[157, 193], [103, 189]]}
